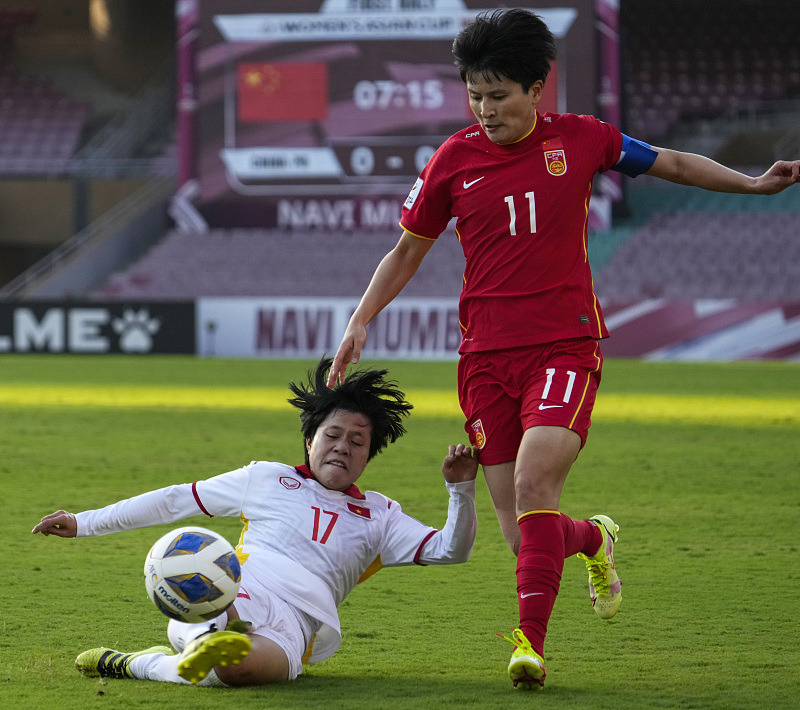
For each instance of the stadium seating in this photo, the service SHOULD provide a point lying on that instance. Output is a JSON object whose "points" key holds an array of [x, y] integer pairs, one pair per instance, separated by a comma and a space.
{"points": [[40, 127], [752, 256], [749, 256], [675, 67], [256, 262]]}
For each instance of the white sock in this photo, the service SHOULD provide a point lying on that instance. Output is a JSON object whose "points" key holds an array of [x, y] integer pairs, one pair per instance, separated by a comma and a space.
{"points": [[181, 634], [164, 668], [156, 666]]}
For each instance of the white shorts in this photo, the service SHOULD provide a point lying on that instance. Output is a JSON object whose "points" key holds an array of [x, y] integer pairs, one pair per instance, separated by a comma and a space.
{"points": [[279, 621]]}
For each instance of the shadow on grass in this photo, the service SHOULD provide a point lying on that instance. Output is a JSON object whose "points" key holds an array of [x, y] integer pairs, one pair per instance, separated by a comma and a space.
{"points": [[354, 692]]}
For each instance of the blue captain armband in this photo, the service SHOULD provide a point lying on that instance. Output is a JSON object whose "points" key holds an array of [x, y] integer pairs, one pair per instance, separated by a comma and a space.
{"points": [[636, 157]]}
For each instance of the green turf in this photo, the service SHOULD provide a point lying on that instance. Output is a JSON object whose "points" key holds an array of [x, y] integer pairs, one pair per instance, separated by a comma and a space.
{"points": [[701, 478]]}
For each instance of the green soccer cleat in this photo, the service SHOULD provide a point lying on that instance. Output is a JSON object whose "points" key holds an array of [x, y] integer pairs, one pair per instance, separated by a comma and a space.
{"points": [[107, 663], [526, 667], [605, 588], [215, 648]]}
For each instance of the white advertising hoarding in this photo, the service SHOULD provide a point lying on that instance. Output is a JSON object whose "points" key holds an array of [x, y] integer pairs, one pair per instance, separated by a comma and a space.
{"points": [[309, 327]]}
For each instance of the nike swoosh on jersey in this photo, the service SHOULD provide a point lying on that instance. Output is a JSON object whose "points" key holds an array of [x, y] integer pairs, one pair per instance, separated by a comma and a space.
{"points": [[468, 185], [531, 594], [550, 406]]}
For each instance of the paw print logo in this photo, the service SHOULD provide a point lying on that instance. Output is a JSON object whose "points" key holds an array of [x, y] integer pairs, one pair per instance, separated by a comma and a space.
{"points": [[136, 330]]}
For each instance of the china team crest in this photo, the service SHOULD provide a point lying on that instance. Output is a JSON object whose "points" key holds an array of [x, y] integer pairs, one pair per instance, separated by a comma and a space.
{"points": [[556, 162], [555, 157], [479, 434]]}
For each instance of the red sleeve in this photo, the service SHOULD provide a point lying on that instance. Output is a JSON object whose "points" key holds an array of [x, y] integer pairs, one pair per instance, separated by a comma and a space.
{"points": [[609, 139], [427, 210]]}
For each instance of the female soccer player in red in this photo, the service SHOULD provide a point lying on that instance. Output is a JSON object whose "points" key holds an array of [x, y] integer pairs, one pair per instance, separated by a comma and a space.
{"points": [[518, 185]]}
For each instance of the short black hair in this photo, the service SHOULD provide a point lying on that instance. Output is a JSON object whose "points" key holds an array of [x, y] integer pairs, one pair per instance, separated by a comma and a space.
{"points": [[364, 391], [511, 43]]}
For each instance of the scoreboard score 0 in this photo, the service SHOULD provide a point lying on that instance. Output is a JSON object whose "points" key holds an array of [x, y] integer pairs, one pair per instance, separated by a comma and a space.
{"points": [[339, 98]]}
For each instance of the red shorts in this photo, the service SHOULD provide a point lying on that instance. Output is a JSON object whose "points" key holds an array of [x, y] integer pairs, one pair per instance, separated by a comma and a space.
{"points": [[504, 392]]}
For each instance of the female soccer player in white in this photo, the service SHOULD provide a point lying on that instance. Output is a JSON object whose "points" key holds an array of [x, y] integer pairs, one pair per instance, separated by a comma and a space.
{"points": [[309, 536]]}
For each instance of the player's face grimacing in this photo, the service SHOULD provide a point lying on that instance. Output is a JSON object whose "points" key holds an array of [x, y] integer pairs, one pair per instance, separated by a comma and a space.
{"points": [[338, 453], [506, 112]]}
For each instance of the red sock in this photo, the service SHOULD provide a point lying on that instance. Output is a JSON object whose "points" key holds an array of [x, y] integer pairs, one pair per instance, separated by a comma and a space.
{"points": [[580, 536], [539, 566]]}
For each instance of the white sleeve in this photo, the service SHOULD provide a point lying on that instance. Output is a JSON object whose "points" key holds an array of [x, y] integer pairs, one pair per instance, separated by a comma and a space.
{"points": [[409, 542], [220, 495]]}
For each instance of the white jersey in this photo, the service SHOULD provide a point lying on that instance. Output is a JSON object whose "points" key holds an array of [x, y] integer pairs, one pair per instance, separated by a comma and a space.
{"points": [[309, 544]]}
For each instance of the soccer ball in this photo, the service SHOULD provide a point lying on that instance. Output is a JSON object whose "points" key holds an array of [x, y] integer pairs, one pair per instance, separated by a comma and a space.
{"points": [[192, 574]]}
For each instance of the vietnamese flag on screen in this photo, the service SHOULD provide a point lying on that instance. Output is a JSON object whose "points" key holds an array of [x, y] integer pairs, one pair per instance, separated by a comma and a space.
{"points": [[291, 91]]}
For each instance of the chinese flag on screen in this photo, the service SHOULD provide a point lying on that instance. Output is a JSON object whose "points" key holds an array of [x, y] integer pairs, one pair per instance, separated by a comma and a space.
{"points": [[282, 92]]}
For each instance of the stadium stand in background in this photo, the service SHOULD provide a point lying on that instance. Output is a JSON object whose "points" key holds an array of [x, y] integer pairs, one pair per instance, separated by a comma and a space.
{"points": [[86, 131], [273, 263], [728, 88], [684, 60], [40, 127]]}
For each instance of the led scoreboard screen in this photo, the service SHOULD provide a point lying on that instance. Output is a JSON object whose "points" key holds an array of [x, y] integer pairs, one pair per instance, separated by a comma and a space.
{"points": [[322, 113]]}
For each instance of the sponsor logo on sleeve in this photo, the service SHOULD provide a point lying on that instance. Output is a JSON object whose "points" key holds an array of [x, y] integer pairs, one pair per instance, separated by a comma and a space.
{"points": [[412, 196]]}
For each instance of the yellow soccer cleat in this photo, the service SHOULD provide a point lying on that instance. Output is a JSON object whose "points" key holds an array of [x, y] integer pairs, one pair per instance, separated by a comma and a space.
{"points": [[605, 588], [215, 648], [107, 663], [526, 667]]}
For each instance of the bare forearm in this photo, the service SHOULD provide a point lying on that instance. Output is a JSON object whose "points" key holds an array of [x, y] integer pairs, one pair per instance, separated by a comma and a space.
{"points": [[700, 171], [388, 280], [393, 273]]}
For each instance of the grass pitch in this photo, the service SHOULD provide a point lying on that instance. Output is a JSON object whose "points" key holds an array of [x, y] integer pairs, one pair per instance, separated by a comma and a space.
{"points": [[697, 463]]}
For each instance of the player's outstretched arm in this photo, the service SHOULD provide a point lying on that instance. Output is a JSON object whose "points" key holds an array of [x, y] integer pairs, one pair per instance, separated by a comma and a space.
{"points": [[700, 171], [460, 464], [392, 274], [60, 523]]}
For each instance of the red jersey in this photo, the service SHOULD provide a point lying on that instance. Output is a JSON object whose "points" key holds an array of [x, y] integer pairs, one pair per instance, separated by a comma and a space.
{"points": [[522, 213]]}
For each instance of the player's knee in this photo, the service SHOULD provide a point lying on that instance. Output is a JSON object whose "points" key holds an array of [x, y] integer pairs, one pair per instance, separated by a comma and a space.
{"points": [[539, 492]]}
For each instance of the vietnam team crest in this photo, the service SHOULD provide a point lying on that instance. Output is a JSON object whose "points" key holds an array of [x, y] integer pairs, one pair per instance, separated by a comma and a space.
{"points": [[479, 434], [359, 510], [555, 157]]}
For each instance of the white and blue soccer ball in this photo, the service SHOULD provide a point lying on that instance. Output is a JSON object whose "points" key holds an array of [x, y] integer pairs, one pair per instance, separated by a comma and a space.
{"points": [[192, 574]]}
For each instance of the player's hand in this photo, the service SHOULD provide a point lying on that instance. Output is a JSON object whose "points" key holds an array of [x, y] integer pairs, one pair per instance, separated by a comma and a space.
{"points": [[781, 175], [60, 523], [460, 464], [348, 353]]}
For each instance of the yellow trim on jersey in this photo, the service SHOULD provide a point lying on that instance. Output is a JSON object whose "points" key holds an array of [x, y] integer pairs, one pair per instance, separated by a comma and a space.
{"points": [[535, 121], [419, 236], [536, 512], [586, 259], [586, 386], [376, 565], [597, 312], [307, 655], [586, 226], [241, 555]]}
